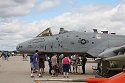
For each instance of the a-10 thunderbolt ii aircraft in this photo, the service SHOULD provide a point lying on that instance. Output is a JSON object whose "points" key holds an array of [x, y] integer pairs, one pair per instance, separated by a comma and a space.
{"points": [[93, 44]]}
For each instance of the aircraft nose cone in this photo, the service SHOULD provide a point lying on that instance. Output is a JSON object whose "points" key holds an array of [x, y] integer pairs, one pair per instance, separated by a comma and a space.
{"points": [[23, 47], [18, 47]]}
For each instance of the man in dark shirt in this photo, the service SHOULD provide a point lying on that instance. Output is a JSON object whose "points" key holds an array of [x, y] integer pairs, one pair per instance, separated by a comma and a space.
{"points": [[84, 59], [50, 65]]}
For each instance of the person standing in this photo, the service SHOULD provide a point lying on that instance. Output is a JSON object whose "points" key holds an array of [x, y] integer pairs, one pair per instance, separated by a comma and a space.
{"points": [[50, 65], [54, 64], [35, 63], [60, 63], [31, 64], [84, 59], [75, 60], [41, 64], [66, 65], [23, 56]]}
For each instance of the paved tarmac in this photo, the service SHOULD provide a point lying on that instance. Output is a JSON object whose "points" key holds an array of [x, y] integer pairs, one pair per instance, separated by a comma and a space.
{"points": [[18, 71]]}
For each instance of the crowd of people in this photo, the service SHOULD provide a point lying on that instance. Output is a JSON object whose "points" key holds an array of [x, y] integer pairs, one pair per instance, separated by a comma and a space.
{"points": [[5, 56], [58, 64]]}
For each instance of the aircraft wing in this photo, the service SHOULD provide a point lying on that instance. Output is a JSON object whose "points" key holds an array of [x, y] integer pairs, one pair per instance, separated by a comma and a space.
{"points": [[113, 51], [103, 52]]}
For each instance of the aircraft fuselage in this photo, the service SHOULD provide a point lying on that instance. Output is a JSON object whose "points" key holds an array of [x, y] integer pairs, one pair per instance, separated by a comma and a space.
{"points": [[73, 42]]}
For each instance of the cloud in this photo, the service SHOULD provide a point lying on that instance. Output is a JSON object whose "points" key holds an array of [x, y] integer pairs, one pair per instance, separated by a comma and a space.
{"points": [[9, 8], [46, 4], [49, 4], [122, 1], [119, 15], [15, 32]]}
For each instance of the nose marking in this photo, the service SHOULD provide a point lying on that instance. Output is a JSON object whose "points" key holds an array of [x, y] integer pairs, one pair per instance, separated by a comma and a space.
{"points": [[19, 47]]}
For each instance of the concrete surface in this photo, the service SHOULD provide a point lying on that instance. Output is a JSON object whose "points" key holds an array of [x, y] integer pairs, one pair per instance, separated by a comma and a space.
{"points": [[18, 71]]}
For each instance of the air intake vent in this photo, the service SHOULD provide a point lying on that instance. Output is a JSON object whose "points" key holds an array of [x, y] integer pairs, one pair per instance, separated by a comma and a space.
{"points": [[113, 33], [95, 30], [105, 32]]}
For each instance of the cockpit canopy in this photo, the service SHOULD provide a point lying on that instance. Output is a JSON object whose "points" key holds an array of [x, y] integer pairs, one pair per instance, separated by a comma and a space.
{"points": [[47, 32]]}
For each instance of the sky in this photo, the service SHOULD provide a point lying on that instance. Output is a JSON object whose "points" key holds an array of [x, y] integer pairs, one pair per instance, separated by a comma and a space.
{"points": [[21, 20]]}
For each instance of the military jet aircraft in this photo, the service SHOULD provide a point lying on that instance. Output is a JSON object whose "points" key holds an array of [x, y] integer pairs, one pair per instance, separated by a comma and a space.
{"points": [[93, 44]]}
